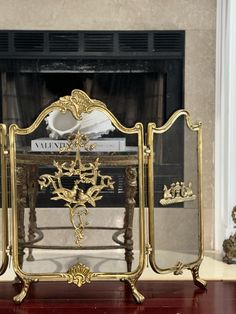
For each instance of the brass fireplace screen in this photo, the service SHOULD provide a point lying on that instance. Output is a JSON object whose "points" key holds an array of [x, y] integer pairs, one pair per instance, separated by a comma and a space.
{"points": [[88, 237]]}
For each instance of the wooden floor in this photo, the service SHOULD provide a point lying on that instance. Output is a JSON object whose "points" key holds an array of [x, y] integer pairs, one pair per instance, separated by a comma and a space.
{"points": [[161, 297]]}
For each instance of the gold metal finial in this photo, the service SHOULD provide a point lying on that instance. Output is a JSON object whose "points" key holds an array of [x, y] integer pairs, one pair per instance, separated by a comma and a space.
{"points": [[177, 193], [87, 186]]}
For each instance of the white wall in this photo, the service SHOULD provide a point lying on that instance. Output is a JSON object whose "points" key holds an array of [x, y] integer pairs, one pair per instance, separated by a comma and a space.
{"points": [[225, 126]]}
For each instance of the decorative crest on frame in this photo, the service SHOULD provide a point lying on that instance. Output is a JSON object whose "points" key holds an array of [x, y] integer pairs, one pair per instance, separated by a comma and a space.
{"points": [[79, 274], [78, 102], [177, 193]]}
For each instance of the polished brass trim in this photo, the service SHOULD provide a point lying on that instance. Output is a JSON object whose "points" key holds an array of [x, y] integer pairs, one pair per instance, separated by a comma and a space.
{"points": [[198, 128], [152, 130], [77, 103], [4, 236], [148, 250], [76, 107]]}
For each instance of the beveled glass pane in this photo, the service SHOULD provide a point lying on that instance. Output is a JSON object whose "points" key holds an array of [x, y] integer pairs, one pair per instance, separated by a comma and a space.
{"points": [[176, 196]]}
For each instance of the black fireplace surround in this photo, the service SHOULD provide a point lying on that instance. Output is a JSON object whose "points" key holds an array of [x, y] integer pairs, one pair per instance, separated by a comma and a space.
{"points": [[137, 74]]}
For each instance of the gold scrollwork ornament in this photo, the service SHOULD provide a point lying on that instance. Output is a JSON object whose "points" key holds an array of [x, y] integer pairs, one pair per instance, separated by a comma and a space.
{"points": [[78, 274], [87, 186]]}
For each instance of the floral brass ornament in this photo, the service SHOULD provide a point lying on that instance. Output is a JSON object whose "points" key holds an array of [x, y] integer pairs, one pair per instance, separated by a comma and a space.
{"points": [[79, 274], [229, 245], [177, 193], [87, 186], [78, 103]]}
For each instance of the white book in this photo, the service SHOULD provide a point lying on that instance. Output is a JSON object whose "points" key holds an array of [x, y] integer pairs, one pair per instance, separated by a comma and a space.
{"points": [[101, 145]]}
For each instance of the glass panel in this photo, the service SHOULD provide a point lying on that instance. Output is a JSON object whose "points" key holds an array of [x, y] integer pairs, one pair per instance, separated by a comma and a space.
{"points": [[3, 206], [79, 206], [176, 196]]}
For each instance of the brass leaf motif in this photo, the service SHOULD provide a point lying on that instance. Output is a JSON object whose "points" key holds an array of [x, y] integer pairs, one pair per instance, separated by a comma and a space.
{"points": [[88, 184], [78, 274]]}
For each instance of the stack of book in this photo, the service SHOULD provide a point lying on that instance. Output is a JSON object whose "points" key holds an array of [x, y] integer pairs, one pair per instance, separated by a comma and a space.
{"points": [[101, 145]]}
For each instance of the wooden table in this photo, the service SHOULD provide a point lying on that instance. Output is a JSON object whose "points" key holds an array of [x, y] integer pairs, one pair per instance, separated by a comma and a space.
{"points": [[27, 190]]}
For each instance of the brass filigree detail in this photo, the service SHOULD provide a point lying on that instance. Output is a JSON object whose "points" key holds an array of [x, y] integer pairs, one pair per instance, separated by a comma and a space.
{"points": [[79, 274], [78, 102], [75, 141], [88, 184], [177, 193]]}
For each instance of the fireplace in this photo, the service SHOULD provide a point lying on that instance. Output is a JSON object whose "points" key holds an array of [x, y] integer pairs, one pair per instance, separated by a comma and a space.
{"points": [[138, 75]]}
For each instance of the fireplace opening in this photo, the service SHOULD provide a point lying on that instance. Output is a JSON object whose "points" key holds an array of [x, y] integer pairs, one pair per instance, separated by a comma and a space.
{"points": [[138, 75], [131, 97]]}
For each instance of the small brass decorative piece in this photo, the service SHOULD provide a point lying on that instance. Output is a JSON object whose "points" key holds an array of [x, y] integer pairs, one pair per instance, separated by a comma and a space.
{"points": [[229, 245], [79, 274], [87, 186], [179, 268], [177, 193], [26, 284], [78, 103]]}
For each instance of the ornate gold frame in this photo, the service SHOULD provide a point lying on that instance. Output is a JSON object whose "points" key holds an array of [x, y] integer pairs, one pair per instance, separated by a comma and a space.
{"points": [[80, 274], [5, 247], [152, 130], [77, 104]]}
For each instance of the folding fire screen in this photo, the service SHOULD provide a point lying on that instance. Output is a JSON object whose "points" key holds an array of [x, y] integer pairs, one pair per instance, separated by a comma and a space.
{"points": [[91, 201]]}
